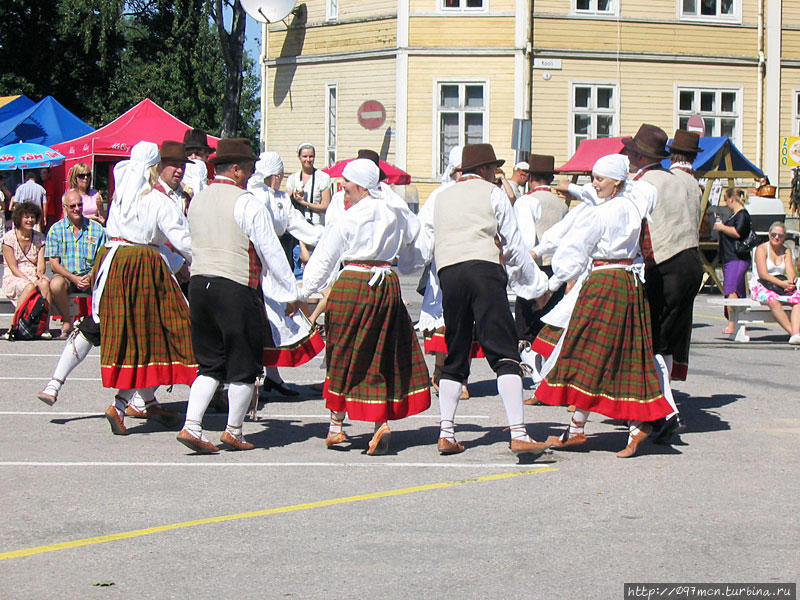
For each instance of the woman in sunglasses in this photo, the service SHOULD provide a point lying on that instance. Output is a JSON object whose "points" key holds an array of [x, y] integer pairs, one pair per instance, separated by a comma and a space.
{"points": [[773, 280], [80, 178]]}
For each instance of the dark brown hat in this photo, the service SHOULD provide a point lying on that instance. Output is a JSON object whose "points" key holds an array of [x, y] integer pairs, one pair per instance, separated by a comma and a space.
{"points": [[477, 155], [233, 150], [196, 139], [649, 141], [373, 156], [542, 163], [172, 152], [686, 142]]}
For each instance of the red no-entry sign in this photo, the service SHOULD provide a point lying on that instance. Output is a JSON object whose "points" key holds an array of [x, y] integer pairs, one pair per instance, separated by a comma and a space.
{"points": [[371, 114]]}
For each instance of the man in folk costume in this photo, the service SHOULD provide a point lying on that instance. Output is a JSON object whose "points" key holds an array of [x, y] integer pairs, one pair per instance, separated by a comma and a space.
{"points": [[195, 143], [471, 219], [145, 335], [171, 171], [233, 240], [673, 268]]}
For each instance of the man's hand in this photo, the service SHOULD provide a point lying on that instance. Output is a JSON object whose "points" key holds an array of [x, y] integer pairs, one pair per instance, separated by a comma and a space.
{"points": [[542, 300], [83, 282], [292, 308]]}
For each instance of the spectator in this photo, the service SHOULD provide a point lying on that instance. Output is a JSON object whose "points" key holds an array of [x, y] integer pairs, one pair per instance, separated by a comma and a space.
{"points": [[32, 192], [72, 245], [519, 179], [734, 264], [80, 179], [23, 253], [309, 187], [773, 280]]}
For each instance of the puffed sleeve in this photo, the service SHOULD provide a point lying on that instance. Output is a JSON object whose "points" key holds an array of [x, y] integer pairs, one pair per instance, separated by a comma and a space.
{"points": [[528, 211], [573, 253]]}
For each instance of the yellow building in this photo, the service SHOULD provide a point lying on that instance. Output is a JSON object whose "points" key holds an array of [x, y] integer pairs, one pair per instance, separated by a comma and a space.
{"points": [[458, 71]]}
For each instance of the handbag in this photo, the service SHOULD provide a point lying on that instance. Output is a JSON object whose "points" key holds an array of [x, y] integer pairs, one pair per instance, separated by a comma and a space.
{"points": [[774, 287], [743, 247]]}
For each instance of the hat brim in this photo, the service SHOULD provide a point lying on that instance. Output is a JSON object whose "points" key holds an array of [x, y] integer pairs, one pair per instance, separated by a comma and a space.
{"points": [[232, 158], [204, 148], [630, 144], [496, 163], [697, 150]]}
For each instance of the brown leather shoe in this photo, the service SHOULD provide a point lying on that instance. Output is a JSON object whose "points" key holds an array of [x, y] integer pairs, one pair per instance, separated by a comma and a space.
{"points": [[562, 442], [445, 446], [532, 401], [234, 442], [132, 411], [195, 443], [379, 444], [336, 438], [117, 425], [464, 393], [527, 446], [633, 445], [48, 399]]}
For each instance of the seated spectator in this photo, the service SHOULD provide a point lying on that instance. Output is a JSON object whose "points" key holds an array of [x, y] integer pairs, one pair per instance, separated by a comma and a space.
{"points": [[23, 254], [31, 191], [80, 179], [72, 245], [773, 280]]}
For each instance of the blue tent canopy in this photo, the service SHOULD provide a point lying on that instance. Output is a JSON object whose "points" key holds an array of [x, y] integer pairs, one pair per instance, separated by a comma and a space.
{"points": [[721, 158], [16, 106], [47, 122]]}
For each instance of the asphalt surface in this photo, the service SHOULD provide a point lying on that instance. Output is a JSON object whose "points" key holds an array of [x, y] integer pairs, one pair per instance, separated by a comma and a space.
{"points": [[294, 520]]}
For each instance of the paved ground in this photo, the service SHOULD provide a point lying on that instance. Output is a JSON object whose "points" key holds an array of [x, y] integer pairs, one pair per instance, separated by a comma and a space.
{"points": [[292, 520]]}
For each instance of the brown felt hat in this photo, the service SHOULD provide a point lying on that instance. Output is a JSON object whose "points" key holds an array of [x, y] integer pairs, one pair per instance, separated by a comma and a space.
{"points": [[542, 163], [649, 141], [172, 152], [233, 150], [685, 142], [478, 155], [373, 156], [196, 139]]}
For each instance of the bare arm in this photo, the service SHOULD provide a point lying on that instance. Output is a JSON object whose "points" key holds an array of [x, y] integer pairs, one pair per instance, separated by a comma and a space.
{"points": [[11, 262], [791, 273]]}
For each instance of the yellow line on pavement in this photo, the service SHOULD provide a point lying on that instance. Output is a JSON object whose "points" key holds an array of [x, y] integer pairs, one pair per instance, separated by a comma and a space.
{"points": [[101, 539]]}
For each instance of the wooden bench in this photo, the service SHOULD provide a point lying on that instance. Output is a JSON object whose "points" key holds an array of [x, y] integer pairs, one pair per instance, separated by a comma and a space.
{"points": [[744, 312]]}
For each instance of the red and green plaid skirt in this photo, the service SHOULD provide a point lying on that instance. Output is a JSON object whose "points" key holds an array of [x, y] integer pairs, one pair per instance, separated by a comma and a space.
{"points": [[606, 363], [293, 355], [376, 371], [435, 343], [547, 339], [145, 336]]}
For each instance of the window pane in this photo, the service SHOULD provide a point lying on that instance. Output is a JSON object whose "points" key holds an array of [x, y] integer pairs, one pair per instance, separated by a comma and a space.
{"points": [[582, 124], [448, 128], [683, 122], [604, 124], [451, 3], [686, 100], [582, 97], [797, 99], [726, 7], [604, 5], [578, 140], [708, 7], [473, 128], [727, 127], [707, 101], [474, 95], [582, 5], [604, 97], [728, 102], [474, 3], [449, 95], [689, 7]]}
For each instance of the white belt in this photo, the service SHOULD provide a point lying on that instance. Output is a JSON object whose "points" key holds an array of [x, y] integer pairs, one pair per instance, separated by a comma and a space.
{"points": [[637, 269], [379, 272]]}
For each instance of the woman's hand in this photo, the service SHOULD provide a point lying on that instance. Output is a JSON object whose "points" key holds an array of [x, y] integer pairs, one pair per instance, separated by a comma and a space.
{"points": [[787, 285]]}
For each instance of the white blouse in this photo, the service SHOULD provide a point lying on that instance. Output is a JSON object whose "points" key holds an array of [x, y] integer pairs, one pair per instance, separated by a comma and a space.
{"points": [[322, 182], [528, 210], [285, 217]]}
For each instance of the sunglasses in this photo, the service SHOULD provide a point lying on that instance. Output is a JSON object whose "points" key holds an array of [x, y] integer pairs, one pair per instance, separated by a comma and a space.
{"points": [[777, 236], [75, 205], [83, 175]]}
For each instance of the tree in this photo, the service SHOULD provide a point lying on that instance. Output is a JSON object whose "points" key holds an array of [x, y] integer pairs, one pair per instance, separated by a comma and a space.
{"points": [[232, 46]]}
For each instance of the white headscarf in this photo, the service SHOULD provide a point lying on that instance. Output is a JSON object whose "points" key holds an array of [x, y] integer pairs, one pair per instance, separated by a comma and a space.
{"points": [[268, 164], [305, 145], [132, 176], [453, 162], [613, 166], [365, 173]]}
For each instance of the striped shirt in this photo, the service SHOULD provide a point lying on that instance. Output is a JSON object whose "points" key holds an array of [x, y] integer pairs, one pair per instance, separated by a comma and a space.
{"points": [[76, 253]]}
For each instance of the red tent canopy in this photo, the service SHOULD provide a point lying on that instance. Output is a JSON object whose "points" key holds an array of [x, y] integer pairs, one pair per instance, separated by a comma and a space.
{"points": [[587, 154], [394, 175]]}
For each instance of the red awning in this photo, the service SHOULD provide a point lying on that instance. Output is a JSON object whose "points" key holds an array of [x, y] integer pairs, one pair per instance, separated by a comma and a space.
{"points": [[587, 154]]}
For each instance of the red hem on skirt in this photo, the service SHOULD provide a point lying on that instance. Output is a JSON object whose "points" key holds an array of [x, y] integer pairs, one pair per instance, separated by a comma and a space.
{"points": [[541, 347], [294, 356], [128, 378], [436, 343], [377, 412], [626, 410], [679, 371]]}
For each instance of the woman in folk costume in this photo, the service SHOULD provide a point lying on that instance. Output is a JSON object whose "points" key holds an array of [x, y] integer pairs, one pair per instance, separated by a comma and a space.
{"points": [[145, 333], [293, 341], [605, 356], [376, 371]]}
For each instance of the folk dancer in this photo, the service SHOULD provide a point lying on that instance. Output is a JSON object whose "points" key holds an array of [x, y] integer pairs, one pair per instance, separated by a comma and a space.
{"points": [[234, 245], [195, 176], [471, 219], [376, 371]]}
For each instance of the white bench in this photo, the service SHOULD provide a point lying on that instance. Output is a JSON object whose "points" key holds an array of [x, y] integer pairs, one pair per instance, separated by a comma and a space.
{"points": [[744, 312]]}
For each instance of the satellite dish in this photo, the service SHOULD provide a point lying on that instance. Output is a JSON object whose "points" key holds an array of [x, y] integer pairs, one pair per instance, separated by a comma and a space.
{"points": [[268, 11]]}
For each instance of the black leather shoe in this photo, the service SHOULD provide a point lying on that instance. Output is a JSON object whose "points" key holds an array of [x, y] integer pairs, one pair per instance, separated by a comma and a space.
{"points": [[270, 385], [672, 426]]}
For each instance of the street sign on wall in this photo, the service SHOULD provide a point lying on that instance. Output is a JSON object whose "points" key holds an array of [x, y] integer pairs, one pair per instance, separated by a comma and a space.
{"points": [[371, 114]]}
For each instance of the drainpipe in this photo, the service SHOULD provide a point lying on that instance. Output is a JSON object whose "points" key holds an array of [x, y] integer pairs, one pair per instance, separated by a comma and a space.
{"points": [[760, 86], [529, 72], [262, 59]]}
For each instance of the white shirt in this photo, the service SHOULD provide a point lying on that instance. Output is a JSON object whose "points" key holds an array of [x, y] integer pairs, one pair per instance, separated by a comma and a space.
{"points": [[177, 197], [322, 182], [528, 210], [425, 240], [30, 191], [285, 217], [549, 240], [370, 230], [195, 175]]}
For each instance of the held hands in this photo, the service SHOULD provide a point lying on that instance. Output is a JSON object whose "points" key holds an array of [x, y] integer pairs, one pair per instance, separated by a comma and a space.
{"points": [[292, 308], [542, 300]]}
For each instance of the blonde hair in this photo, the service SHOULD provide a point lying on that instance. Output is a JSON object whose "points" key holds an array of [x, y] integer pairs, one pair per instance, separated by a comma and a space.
{"points": [[736, 194], [79, 168], [775, 224]]}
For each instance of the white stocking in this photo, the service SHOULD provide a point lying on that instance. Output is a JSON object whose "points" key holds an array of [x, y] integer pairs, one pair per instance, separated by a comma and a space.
{"points": [[510, 389], [75, 351], [663, 382], [200, 395], [449, 391], [239, 397]]}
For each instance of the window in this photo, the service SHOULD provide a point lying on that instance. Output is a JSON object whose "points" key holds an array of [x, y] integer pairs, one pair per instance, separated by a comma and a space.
{"points": [[463, 4], [594, 7], [331, 10], [461, 116], [330, 123], [719, 109], [710, 9], [594, 112], [796, 112]]}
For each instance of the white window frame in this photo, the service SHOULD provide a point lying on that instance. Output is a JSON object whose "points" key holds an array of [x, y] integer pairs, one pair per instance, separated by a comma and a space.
{"points": [[593, 111], [331, 122], [331, 10], [736, 17], [613, 10], [718, 89], [437, 110], [462, 8]]}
